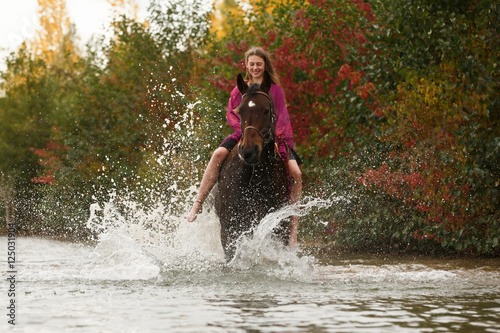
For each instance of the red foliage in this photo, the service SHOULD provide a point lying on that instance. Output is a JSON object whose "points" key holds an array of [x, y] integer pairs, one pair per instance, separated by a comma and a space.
{"points": [[312, 65], [314, 96], [424, 192], [365, 7], [49, 161]]}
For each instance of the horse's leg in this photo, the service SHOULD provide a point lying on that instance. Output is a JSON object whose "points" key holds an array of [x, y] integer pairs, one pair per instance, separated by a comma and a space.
{"points": [[228, 236], [208, 181], [230, 251], [282, 232]]}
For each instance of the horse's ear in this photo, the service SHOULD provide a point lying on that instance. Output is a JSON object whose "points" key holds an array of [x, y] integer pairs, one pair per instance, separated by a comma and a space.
{"points": [[242, 85], [266, 83]]}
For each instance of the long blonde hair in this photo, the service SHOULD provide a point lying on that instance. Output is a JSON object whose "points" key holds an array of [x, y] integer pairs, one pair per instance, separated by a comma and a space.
{"points": [[260, 52]]}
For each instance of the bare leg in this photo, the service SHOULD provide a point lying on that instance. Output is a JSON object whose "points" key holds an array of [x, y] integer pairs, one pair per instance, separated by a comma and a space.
{"points": [[208, 181], [295, 197]]}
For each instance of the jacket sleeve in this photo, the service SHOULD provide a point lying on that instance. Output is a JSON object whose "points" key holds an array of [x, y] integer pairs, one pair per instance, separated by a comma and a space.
{"points": [[284, 131], [233, 119]]}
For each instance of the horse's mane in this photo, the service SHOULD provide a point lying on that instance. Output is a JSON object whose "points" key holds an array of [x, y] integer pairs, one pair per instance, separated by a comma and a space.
{"points": [[252, 89]]}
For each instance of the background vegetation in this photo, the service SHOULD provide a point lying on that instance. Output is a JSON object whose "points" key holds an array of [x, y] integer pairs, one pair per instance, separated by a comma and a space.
{"points": [[395, 106]]}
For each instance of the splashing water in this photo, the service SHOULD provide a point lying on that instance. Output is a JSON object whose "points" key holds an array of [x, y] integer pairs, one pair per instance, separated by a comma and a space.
{"points": [[133, 240], [259, 249]]}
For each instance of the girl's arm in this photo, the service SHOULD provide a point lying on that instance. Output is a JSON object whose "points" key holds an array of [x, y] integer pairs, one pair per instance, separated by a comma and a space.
{"points": [[232, 117], [284, 131]]}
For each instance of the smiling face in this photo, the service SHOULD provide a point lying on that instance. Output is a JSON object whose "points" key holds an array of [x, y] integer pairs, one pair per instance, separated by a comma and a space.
{"points": [[256, 66]]}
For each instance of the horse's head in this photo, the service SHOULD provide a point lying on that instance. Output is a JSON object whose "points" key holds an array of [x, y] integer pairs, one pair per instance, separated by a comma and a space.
{"points": [[257, 118]]}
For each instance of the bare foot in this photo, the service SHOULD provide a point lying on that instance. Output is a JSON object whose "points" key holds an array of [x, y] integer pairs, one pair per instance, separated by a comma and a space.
{"points": [[194, 211]]}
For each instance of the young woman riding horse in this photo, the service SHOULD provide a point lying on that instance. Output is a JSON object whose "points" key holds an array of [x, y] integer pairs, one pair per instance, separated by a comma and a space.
{"points": [[257, 62]]}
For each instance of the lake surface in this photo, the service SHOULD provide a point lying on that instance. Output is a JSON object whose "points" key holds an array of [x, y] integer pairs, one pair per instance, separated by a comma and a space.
{"points": [[135, 279]]}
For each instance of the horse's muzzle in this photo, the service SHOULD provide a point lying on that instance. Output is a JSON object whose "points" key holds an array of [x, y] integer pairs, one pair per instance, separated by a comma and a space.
{"points": [[250, 155]]}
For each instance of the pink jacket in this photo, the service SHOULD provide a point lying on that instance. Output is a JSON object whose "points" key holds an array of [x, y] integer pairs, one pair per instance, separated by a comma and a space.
{"points": [[284, 132]]}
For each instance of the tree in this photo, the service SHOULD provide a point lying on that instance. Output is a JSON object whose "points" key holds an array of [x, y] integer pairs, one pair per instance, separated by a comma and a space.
{"points": [[126, 7], [35, 99], [394, 105], [443, 118], [123, 114], [56, 35]]}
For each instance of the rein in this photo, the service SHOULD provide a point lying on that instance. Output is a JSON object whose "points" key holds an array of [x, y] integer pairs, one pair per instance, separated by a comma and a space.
{"points": [[269, 134]]}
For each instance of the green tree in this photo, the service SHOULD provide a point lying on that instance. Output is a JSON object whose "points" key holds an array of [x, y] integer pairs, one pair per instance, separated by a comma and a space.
{"points": [[443, 117], [35, 98], [128, 109]]}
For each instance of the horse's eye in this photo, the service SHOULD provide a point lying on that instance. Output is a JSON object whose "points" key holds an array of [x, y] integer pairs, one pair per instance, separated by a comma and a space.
{"points": [[266, 111]]}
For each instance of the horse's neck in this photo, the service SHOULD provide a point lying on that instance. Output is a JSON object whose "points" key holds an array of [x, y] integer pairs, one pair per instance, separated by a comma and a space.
{"points": [[270, 157], [268, 152]]}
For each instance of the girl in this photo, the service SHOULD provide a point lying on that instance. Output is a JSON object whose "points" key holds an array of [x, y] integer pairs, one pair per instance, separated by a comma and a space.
{"points": [[257, 62]]}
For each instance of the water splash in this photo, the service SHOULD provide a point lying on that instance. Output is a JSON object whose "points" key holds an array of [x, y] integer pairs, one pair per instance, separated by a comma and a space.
{"points": [[259, 250], [138, 241]]}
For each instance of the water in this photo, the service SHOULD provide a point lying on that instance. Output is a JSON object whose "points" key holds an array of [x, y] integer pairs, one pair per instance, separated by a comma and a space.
{"points": [[137, 278]]}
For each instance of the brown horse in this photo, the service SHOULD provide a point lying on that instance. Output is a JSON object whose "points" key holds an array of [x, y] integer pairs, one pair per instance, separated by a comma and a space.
{"points": [[253, 178]]}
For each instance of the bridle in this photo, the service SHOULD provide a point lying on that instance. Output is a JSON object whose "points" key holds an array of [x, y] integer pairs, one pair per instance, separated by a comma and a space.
{"points": [[272, 115]]}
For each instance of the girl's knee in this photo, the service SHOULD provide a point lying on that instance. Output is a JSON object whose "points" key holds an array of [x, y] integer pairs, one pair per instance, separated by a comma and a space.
{"points": [[295, 172], [220, 154]]}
